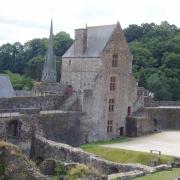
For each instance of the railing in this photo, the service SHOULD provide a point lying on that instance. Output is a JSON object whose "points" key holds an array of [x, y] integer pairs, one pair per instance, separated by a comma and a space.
{"points": [[159, 152]]}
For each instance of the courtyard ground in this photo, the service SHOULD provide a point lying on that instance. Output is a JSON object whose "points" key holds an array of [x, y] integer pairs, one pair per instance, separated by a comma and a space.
{"points": [[168, 142]]}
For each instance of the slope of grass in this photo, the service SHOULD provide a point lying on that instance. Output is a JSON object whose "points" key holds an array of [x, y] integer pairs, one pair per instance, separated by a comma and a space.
{"points": [[123, 156], [162, 175]]}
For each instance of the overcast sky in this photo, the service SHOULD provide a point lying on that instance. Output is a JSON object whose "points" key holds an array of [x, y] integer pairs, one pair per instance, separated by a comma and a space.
{"points": [[22, 20]]}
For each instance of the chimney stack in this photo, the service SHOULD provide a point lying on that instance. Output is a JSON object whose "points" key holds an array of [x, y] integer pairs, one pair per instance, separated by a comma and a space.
{"points": [[80, 45]]}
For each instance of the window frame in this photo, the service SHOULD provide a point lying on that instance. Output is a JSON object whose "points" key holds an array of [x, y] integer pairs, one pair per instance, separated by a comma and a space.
{"points": [[112, 83], [114, 60], [109, 126], [111, 105]]}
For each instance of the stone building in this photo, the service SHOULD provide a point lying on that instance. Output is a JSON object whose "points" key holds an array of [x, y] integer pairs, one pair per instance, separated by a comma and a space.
{"points": [[99, 64]]}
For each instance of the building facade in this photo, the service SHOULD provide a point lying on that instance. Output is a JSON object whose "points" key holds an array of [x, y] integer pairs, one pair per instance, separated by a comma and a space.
{"points": [[100, 65]]}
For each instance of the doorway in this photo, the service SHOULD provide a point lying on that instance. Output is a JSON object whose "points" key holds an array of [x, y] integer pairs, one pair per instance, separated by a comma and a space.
{"points": [[155, 124], [121, 131]]}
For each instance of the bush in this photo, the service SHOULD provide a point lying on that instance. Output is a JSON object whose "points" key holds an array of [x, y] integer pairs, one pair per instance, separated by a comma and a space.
{"points": [[20, 82], [79, 171], [60, 172]]}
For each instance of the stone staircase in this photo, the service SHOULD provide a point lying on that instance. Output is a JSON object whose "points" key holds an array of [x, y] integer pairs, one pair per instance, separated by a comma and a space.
{"points": [[72, 103]]}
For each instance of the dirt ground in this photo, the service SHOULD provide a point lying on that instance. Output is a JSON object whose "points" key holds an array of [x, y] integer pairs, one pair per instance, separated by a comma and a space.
{"points": [[168, 142]]}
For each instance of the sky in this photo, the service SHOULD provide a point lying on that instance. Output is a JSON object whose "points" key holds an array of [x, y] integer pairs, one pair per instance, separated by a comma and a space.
{"points": [[23, 20]]}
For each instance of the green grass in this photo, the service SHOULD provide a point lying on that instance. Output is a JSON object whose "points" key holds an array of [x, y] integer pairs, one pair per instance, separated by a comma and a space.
{"points": [[162, 175], [123, 156], [113, 141]]}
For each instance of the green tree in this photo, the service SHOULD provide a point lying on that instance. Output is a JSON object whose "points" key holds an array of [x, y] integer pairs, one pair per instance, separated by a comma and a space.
{"points": [[35, 67], [62, 41]]}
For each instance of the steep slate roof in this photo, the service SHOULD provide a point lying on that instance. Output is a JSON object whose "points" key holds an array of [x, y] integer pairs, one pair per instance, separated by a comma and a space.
{"points": [[6, 89], [97, 37]]}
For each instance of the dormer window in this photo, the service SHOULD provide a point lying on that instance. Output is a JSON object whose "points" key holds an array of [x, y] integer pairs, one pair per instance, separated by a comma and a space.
{"points": [[114, 60]]}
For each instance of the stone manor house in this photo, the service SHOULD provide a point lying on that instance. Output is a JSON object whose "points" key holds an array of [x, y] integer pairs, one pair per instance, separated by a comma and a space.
{"points": [[99, 63]]}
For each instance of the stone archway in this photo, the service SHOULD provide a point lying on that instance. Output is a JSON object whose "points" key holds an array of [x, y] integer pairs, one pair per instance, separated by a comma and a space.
{"points": [[13, 128]]}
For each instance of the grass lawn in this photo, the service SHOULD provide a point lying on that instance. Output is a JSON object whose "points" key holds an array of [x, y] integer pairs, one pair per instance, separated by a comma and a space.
{"points": [[122, 156], [162, 175]]}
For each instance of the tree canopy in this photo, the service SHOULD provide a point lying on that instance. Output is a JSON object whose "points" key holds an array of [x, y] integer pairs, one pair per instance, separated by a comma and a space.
{"points": [[28, 59], [155, 48], [156, 52]]}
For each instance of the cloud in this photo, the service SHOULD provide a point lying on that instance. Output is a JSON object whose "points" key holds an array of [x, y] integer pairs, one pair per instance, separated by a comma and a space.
{"points": [[22, 20], [22, 23]]}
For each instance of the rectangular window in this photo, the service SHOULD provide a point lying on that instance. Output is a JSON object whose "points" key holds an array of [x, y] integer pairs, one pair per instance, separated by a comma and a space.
{"points": [[114, 60], [111, 105], [112, 83], [109, 126]]}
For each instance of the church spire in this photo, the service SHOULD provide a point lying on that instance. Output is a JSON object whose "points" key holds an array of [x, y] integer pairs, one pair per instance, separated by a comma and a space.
{"points": [[49, 73]]}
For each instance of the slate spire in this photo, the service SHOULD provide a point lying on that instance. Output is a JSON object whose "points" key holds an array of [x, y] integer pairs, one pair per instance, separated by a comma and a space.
{"points": [[49, 73]]}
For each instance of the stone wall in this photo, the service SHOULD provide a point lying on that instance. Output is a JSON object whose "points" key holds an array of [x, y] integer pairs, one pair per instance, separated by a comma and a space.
{"points": [[42, 102], [80, 72], [149, 102], [65, 127], [165, 117], [138, 126], [46, 149], [153, 119]]}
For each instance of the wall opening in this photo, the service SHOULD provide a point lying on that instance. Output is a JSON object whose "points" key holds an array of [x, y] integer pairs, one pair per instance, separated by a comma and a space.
{"points": [[109, 126], [121, 131], [113, 170], [129, 110], [155, 124], [14, 128]]}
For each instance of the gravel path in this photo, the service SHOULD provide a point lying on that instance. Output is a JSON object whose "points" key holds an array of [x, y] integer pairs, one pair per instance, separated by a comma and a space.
{"points": [[168, 142]]}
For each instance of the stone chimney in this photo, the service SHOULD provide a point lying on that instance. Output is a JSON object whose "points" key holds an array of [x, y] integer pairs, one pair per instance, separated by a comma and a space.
{"points": [[80, 45]]}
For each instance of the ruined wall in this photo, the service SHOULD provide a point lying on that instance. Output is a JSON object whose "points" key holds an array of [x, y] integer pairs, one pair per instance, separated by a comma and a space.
{"points": [[138, 126], [47, 149], [19, 129], [167, 117], [41, 102], [153, 119], [65, 127]]}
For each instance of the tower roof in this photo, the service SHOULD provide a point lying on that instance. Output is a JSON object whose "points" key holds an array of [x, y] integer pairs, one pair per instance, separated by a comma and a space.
{"points": [[49, 73]]}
